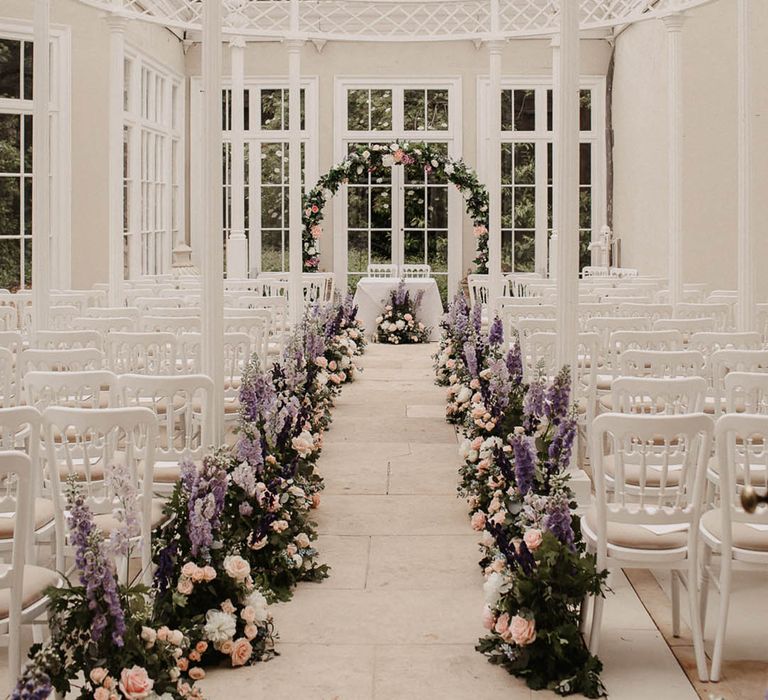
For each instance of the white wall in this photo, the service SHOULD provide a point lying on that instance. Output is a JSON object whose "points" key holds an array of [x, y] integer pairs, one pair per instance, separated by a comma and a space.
{"points": [[709, 132], [89, 120]]}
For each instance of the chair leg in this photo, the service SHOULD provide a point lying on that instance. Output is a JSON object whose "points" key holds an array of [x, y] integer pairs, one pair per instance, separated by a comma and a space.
{"points": [[584, 616], [693, 606], [597, 618], [675, 582], [706, 562], [722, 623]]}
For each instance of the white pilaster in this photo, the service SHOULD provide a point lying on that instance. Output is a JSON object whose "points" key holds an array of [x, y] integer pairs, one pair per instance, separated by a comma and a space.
{"points": [[495, 279], [674, 25], [294, 46], [117, 26], [566, 181], [552, 243], [746, 258], [41, 167], [237, 245], [212, 249]]}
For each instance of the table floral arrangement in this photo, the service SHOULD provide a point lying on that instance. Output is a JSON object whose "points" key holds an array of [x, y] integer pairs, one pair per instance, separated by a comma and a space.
{"points": [[399, 325], [238, 536], [518, 440]]}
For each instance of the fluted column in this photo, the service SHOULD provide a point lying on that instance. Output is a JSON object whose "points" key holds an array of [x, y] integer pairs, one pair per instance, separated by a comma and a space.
{"points": [[237, 245], [495, 279], [674, 25], [566, 181], [294, 173]]}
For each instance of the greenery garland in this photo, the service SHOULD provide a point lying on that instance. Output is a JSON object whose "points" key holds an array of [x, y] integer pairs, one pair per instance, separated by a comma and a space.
{"points": [[377, 157]]}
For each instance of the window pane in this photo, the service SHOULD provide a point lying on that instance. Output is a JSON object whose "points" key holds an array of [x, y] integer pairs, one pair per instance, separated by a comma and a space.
{"points": [[506, 110], [507, 163], [414, 248], [585, 164], [585, 207], [271, 207], [506, 251], [381, 247], [357, 207], [357, 251], [414, 207], [287, 111], [414, 108], [28, 53], [271, 251], [525, 163], [585, 111], [28, 206], [272, 163], [437, 211], [550, 110], [10, 199], [525, 207], [10, 258], [437, 251], [272, 109], [381, 110], [437, 110], [506, 207], [357, 110], [381, 209], [525, 110], [28, 262], [585, 254], [525, 251], [10, 143], [10, 68]]}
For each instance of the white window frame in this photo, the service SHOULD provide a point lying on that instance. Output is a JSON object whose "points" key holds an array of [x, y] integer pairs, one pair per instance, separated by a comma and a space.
{"points": [[144, 187], [595, 136], [61, 142], [254, 136], [452, 137]]}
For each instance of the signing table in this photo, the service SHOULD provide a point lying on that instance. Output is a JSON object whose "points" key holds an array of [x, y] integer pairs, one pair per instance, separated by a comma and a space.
{"points": [[372, 293]]}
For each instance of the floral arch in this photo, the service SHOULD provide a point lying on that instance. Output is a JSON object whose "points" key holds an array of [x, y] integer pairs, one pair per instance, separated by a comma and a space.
{"points": [[378, 157]]}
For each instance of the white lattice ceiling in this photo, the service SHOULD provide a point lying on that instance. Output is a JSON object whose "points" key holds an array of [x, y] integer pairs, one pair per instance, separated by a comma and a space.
{"points": [[394, 20]]}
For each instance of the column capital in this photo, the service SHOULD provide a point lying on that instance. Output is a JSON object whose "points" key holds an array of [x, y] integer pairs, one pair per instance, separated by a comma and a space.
{"points": [[554, 42], [294, 44], [674, 22], [237, 42], [495, 44], [116, 22]]}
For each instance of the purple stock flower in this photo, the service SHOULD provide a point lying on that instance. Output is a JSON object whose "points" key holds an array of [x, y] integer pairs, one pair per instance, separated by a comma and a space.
{"points": [[558, 396], [533, 405], [559, 520], [499, 388], [249, 450], [560, 448], [515, 363], [205, 487], [524, 449], [477, 317], [496, 333], [96, 567], [470, 358]]}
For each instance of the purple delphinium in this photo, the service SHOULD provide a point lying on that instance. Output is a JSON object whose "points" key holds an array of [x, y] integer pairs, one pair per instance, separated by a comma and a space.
{"points": [[477, 318], [400, 295], [559, 521], [524, 449], [533, 405], [470, 358], [514, 362], [558, 395], [496, 333], [249, 449], [257, 394], [166, 564], [120, 483], [498, 388], [96, 567], [206, 488], [560, 448], [34, 683]]}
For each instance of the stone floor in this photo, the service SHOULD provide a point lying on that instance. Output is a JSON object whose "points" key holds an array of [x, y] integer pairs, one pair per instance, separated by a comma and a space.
{"points": [[400, 614]]}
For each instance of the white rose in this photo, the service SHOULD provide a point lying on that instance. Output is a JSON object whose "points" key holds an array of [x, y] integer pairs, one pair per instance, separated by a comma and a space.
{"points": [[492, 588], [366, 155], [388, 161], [464, 395], [258, 602], [297, 491], [302, 540], [237, 567], [298, 560], [448, 168], [311, 250], [392, 327], [400, 324], [219, 626]]}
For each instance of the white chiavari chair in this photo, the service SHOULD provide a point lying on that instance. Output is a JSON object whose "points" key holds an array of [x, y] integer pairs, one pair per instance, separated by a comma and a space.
{"points": [[8, 318], [721, 364], [720, 312], [415, 271], [661, 363], [638, 525], [652, 311], [9, 379], [70, 360], [141, 353], [687, 326], [66, 340], [380, 270], [83, 389], [170, 324], [105, 324]]}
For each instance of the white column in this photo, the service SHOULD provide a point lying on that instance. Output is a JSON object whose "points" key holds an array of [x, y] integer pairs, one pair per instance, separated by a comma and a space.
{"points": [[674, 25], [41, 167], [746, 258], [493, 180], [116, 81], [237, 245], [211, 229], [566, 182], [552, 243], [294, 46]]}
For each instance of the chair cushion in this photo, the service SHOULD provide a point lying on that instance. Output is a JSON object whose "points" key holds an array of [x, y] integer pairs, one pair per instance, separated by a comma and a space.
{"points": [[36, 580], [632, 474], [166, 472], [43, 516], [604, 382], [107, 522], [634, 536], [743, 536]]}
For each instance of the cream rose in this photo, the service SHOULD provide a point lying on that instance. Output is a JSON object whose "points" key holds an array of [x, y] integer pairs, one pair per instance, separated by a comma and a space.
{"points": [[237, 567], [241, 652], [184, 586], [522, 631], [135, 683], [302, 540], [532, 539], [98, 674]]}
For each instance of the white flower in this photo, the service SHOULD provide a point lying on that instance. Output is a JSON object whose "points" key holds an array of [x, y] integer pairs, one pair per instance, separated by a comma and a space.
{"points": [[258, 602], [400, 325], [448, 168], [311, 250], [434, 163], [297, 491], [379, 319], [298, 560], [219, 626], [388, 161], [393, 147], [492, 588], [304, 444], [366, 155], [464, 395], [392, 327]]}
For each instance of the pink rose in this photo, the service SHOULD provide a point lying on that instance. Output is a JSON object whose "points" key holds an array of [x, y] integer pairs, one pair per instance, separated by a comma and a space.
{"points": [[101, 694], [477, 443], [489, 618], [478, 521], [135, 683], [97, 675], [259, 544], [197, 575], [226, 647], [522, 631], [227, 607], [248, 614], [188, 569], [184, 586], [241, 652], [315, 500], [532, 539], [316, 231], [236, 567], [196, 673], [502, 624], [250, 631]]}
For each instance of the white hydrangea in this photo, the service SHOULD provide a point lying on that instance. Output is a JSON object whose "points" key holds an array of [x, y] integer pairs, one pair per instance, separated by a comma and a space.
{"points": [[219, 626]]}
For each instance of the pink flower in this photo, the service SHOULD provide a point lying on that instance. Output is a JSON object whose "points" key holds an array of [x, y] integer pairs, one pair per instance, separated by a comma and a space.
{"points": [[477, 443], [236, 567], [532, 539], [489, 619], [398, 155], [250, 631], [97, 675], [196, 673], [478, 521], [502, 624], [227, 607], [209, 573], [135, 683], [522, 631], [315, 209], [184, 586], [479, 230], [101, 694], [316, 231], [315, 500], [241, 652]]}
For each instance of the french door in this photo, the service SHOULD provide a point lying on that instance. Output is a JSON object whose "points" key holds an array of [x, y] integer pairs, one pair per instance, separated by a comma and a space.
{"points": [[400, 215]]}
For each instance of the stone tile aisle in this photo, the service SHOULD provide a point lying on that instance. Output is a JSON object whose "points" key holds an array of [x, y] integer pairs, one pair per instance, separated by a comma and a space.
{"points": [[399, 616]]}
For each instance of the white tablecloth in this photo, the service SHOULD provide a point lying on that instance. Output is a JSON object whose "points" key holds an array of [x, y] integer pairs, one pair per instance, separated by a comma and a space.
{"points": [[372, 293]]}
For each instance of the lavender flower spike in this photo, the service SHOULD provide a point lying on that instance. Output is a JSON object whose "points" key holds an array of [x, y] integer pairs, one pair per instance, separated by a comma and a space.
{"points": [[558, 396], [496, 333], [524, 450]]}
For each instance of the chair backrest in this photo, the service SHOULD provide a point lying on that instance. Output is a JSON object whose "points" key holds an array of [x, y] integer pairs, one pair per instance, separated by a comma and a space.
{"points": [[20, 430], [618, 292], [539, 354], [70, 360], [605, 325], [9, 320], [594, 271], [742, 457], [511, 314], [9, 379], [84, 389], [709, 342], [170, 324], [66, 340], [720, 312], [379, 270], [104, 324], [659, 469], [256, 324], [12, 340], [132, 312], [687, 326], [181, 403], [479, 289], [658, 396], [723, 362], [415, 271], [661, 363], [141, 353], [746, 392], [652, 311], [528, 326], [59, 317]]}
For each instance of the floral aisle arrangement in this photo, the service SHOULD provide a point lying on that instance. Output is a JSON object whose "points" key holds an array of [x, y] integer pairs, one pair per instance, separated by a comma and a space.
{"points": [[517, 446], [375, 160], [398, 325], [105, 644]]}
